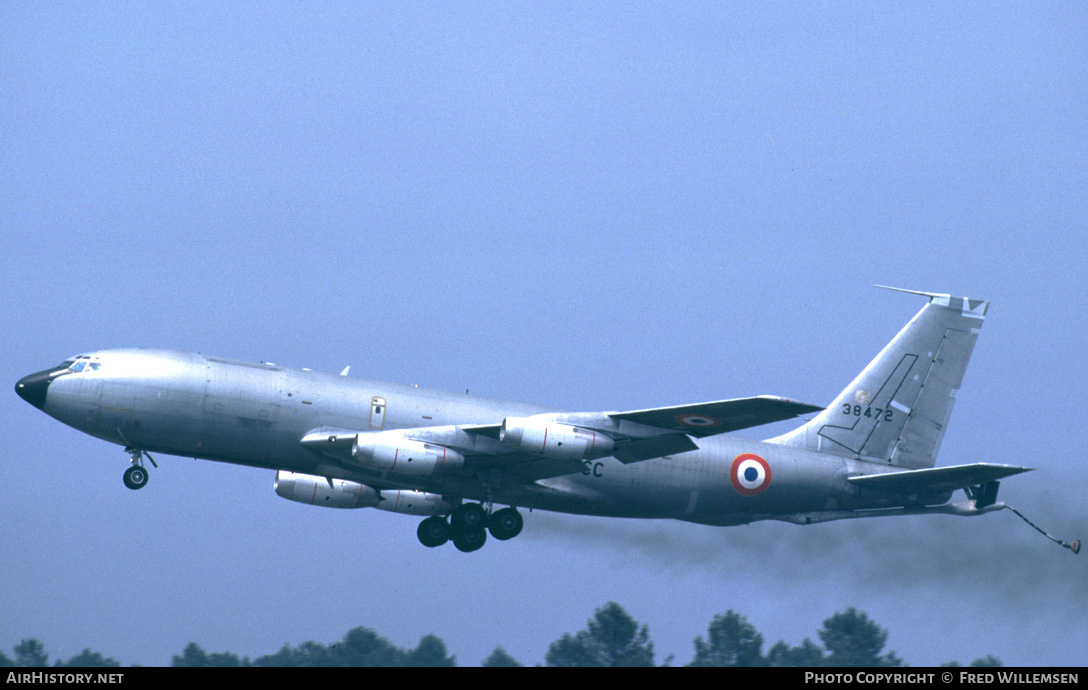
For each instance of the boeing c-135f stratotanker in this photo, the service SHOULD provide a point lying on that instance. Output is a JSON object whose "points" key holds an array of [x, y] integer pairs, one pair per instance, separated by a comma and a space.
{"points": [[455, 459]]}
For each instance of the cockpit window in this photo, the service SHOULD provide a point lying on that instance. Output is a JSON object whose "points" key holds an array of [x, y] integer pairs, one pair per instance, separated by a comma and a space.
{"points": [[82, 363]]}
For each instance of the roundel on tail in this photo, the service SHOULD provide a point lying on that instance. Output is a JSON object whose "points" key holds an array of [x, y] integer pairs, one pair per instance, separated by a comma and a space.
{"points": [[750, 474]]}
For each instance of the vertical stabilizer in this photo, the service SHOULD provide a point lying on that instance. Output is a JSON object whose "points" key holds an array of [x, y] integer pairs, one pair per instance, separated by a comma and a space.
{"points": [[898, 407]]}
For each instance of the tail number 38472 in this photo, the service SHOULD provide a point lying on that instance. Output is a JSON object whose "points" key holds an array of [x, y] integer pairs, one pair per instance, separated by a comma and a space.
{"points": [[871, 412]]}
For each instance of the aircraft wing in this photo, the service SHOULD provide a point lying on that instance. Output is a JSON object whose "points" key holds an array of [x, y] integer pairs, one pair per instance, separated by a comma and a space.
{"points": [[722, 416], [937, 479], [478, 444], [630, 437], [699, 419], [531, 467]]}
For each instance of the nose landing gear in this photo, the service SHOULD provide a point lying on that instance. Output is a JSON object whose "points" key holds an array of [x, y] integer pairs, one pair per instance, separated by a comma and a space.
{"points": [[136, 476]]}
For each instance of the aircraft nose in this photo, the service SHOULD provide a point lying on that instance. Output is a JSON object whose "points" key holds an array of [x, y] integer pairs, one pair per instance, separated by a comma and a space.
{"points": [[33, 388]]}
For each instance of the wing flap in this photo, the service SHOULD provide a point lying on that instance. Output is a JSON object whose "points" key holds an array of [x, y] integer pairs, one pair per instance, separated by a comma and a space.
{"points": [[722, 416], [937, 479], [532, 469], [653, 447]]}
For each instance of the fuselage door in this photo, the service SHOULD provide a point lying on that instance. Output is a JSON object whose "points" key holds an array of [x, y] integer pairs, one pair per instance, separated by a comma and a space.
{"points": [[377, 412]]}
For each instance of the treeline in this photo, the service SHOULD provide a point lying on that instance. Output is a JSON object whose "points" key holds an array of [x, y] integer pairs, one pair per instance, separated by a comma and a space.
{"points": [[611, 638]]}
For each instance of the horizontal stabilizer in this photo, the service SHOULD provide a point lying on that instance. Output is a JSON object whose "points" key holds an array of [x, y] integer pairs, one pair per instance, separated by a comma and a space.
{"points": [[709, 418], [936, 479]]}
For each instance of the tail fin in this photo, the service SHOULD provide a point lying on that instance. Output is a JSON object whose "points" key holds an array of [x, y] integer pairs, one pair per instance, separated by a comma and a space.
{"points": [[898, 407]]}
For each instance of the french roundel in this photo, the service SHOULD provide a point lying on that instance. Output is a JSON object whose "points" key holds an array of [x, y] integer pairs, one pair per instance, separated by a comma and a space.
{"points": [[750, 474], [697, 420]]}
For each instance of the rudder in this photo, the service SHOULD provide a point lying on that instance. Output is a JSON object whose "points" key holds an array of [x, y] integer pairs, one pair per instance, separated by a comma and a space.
{"points": [[898, 407]]}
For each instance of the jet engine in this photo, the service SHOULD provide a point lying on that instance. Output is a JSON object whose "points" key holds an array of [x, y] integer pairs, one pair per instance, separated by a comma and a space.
{"points": [[554, 440], [414, 502], [390, 451], [306, 488]]}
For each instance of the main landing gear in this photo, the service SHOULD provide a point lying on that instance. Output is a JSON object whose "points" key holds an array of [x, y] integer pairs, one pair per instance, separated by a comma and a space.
{"points": [[136, 476], [468, 527]]}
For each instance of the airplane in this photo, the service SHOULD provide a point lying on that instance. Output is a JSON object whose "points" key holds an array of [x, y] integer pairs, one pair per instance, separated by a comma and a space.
{"points": [[452, 459]]}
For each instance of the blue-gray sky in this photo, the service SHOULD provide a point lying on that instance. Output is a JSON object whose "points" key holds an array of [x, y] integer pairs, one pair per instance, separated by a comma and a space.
{"points": [[586, 206]]}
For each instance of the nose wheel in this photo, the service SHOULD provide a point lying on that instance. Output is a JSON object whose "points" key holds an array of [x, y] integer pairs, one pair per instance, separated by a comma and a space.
{"points": [[137, 475]]}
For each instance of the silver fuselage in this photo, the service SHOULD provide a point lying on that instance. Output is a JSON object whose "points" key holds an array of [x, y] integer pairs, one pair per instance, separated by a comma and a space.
{"points": [[255, 414]]}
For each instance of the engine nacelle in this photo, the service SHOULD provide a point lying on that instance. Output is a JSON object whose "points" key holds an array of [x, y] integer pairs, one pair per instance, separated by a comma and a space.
{"points": [[414, 502], [389, 451], [306, 488], [554, 440]]}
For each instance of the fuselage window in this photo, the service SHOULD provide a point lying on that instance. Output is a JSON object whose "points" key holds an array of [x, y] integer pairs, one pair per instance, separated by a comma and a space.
{"points": [[377, 412]]}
